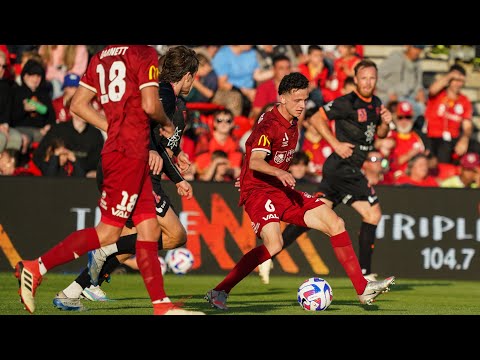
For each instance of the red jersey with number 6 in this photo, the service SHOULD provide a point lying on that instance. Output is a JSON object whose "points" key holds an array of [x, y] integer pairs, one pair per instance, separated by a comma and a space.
{"points": [[117, 74], [276, 136]]}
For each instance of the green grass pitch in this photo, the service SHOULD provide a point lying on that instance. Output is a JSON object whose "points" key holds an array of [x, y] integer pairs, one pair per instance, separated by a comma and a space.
{"points": [[251, 297]]}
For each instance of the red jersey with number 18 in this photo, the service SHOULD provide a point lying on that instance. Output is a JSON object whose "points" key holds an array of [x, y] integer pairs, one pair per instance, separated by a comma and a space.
{"points": [[276, 136], [117, 74]]}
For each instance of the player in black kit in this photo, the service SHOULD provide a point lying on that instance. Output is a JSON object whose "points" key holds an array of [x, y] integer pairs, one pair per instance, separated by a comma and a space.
{"points": [[359, 116], [180, 65]]}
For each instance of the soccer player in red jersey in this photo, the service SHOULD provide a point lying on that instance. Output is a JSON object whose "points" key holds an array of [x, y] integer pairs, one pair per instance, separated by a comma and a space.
{"points": [[268, 194], [125, 80]]}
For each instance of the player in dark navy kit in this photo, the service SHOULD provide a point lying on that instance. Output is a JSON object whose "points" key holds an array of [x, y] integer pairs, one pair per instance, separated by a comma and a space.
{"points": [[176, 78], [268, 194], [359, 116]]}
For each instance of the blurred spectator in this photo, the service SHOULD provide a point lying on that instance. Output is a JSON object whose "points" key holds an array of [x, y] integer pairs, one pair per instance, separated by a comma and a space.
{"points": [[469, 175], [416, 173], [348, 85], [408, 142], [26, 55], [10, 138], [60, 161], [32, 109], [7, 162], [343, 67], [238, 72], [374, 168], [448, 116], [400, 77], [218, 169], [267, 92], [206, 82], [317, 73], [219, 139], [207, 50], [315, 147], [60, 60], [61, 104], [299, 167], [8, 69], [83, 140]]}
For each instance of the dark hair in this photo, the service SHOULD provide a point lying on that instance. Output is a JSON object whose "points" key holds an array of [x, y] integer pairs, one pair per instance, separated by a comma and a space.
{"points": [[365, 63], [312, 48], [280, 57], [292, 81], [349, 81], [178, 61], [219, 154], [300, 157], [223, 111], [459, 68]]}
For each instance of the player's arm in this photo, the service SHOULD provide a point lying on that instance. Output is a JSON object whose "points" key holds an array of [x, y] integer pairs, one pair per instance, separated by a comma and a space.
{"points": [[319, 121], [81, 106], [258, 163], [183, 186], [386, 119], [153, 107]]}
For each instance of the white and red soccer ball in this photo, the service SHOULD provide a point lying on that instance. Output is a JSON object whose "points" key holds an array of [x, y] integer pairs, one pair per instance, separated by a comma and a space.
{"points": [[315, 294], [179, 260]]}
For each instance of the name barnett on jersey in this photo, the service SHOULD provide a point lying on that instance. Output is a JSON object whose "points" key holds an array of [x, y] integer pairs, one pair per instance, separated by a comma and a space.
{"points": [[114, 51]]}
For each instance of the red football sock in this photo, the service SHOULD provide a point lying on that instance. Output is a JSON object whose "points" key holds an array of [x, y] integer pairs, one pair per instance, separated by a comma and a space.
{"points": [[149, 266], [245, 266], [342, 246], [73, 246]]}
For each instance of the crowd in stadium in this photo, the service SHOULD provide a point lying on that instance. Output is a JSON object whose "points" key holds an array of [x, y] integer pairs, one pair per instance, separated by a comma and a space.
{"points": [[432, 142]]}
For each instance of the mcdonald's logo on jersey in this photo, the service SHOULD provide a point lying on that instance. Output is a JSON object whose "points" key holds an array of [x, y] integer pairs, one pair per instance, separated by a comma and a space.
{"points": [[153, 73], [263, 139]]}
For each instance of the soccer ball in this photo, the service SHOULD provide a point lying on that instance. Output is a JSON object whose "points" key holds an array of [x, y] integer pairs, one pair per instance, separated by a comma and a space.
{"points": [[179, 260], [315, 294], [163, 265]]}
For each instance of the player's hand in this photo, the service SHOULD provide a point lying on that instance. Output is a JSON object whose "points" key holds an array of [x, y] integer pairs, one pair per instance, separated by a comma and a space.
{"points": [[155, 162], [183, 161], [185, 189], [237, 183], [167, 130], [286, 178], [344, 149], [385, 115]]}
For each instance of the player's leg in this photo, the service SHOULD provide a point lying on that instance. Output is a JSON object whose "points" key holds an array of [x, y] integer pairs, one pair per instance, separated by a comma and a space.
{"points": [[371, 215], [272, 243], [149, 229], [30, 273], [326, 220], [289, 235], [81, 287], [263, 210]]}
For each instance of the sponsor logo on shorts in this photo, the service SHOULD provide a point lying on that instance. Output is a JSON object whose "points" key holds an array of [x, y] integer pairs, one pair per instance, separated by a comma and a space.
{"points": [[371, 199], [346, 198], [270, 216], [161, 207], [120, 213]]}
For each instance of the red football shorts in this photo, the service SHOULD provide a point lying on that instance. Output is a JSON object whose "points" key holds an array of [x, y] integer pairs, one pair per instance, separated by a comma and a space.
{"points": [[272, 205], [127, 188]]}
